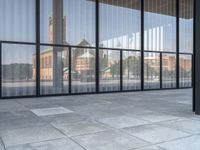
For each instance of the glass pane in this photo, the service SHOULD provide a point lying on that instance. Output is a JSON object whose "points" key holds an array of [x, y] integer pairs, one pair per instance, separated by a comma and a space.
{"points": [[168, 70], [83, 70], [54, 70], [120, 24], [109, 70], [185, 70], [151, 70], [18, 70], [186, 26], [131, 70], [160, 25], [68, 22], [17, 20]]}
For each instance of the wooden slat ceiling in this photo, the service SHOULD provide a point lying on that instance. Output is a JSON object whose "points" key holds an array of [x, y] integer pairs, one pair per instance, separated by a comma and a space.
{"points": [[166, 7]]}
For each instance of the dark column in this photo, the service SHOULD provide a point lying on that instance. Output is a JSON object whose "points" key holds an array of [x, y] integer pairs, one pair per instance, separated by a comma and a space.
{"points": [[57, 39], [197, 57]]}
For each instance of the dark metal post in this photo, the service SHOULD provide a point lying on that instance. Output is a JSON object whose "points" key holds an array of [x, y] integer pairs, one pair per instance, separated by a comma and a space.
{"points": [[1, 69], [70, 69], [97, 46], [38, 47], [161, 70], [197, 58], [121, 70], [142, 45], [193, 56], [177, 44]]}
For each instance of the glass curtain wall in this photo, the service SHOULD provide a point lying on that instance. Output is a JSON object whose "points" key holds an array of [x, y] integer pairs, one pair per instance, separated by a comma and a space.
{"points": [[159, 36], [83, 70], [70, 24], [54, 70], [18, 70], [151, 70], [71, 52], [185, 70], [168, 70], [17, 25], [131, 70], [185, 42], [120, 30]]}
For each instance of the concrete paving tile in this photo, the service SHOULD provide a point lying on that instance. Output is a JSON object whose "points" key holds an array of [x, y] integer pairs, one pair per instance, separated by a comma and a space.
{"points": [[64, 118], [10, 105], [109, 140], [122, 121], [97, 113], [187, 125], [41, 106], [10, 115], [1, 145], [30, 135], [155, 133], [58, 144], [189, 143], [149, 148], [51, 111], [20, 123], [81, 128], [156, 117]]}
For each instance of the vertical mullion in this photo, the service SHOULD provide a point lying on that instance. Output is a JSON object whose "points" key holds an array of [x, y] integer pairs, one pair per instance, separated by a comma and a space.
{"points": [[193, 60], [1, 69], [97, 46], [142, 45], [177, 44], [38, 47], [161, 70], [121, 70], [70, 68]]}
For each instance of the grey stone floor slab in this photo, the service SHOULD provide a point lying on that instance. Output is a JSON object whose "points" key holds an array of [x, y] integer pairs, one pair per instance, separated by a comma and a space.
{"points": [[51, 111], [81, 128], [11, 105], [187, 125], [29, 135], [10, 115], [58, 144], [20, 123], [64, 118], [109, 140], [111, 121], [122, 121], [155, 133], [1, 145], [156, 117], [189, 143], [150, 148]]}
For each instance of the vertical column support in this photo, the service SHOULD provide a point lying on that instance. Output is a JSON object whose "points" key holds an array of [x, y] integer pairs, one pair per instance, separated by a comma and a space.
{"points": [[38, 47], [1, 69], [193, 56], [121, 70], [161, 70], [70, 69], [197, 58], [97, 46], [177, 44], [142, 45]]}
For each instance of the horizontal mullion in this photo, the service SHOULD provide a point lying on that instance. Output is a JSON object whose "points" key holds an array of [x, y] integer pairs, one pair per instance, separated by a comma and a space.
{"points": [[17, 42], [60, 45], [119, 49]]}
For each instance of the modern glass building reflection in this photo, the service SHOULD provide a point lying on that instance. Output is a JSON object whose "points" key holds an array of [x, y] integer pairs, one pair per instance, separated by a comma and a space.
{"points": [[57, 47]]}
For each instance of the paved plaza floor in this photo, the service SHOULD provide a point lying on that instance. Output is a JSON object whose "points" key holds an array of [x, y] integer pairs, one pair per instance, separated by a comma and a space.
{"points": [[151, 120]]}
